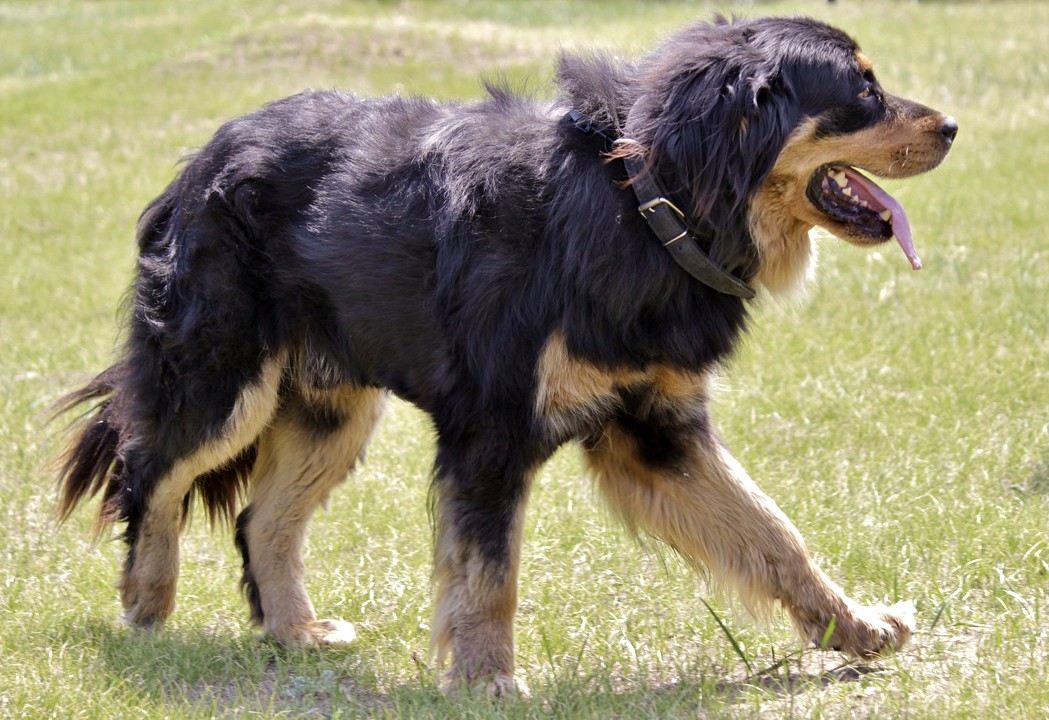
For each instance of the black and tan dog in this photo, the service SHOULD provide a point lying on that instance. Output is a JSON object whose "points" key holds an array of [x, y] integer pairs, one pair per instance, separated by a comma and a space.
{"points": [[488, 262]]}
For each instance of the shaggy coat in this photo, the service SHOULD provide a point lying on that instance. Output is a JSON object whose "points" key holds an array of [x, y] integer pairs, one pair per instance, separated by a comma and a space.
{"points": [[487, 262]]}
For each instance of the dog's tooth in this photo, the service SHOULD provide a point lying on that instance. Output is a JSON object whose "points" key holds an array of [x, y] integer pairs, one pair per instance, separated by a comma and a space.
{"points": [[885, 215], [847, 191], [839, 177]]}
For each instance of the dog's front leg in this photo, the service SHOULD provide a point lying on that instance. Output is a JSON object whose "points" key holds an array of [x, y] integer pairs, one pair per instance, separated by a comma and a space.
{"points": [[479, 516], [668, 474]]}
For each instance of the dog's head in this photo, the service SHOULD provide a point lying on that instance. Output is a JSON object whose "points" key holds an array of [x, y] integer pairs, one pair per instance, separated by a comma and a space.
{"points": [[762, 128]]}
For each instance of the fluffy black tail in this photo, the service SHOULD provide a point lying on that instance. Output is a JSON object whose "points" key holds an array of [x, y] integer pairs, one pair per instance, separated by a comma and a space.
{"points": [[91, 462]]}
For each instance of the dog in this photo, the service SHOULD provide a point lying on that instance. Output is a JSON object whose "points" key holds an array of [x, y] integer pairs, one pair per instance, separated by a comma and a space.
{"points": [[487, 261]]}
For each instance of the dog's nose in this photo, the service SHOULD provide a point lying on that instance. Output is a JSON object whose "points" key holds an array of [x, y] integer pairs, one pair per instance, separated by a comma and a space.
{"points": [[949, 129]]}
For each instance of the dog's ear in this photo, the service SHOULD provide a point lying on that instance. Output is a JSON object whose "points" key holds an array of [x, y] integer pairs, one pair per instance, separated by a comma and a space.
{"points": [[718, 134], [713, 130]]}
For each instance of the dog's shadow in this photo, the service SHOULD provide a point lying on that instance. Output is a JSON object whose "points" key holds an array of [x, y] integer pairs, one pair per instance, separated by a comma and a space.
{"points": [[783, 685], [220, 670], [242, 671], [794, 681]]}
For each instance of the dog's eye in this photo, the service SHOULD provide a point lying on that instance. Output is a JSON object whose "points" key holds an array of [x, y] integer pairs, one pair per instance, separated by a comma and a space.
{"points": [[867, 92]]}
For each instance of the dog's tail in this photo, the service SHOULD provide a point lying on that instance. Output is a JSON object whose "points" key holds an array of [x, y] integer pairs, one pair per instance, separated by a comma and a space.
{"points": [[116, 447], [91, 462]]}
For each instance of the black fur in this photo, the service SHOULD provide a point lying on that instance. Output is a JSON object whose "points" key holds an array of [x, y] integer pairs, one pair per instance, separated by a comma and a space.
{"points": [[247, 579]]}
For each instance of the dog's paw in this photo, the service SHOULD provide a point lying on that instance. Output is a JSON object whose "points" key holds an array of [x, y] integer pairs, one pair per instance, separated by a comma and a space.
{"points": [[500, 686], [147, 600], [148, 612], [505, 686], [317, 633], [334, 633], [867, 632], [140, 619]]}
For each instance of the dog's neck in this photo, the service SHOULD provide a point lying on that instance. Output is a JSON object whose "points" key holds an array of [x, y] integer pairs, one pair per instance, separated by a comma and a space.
{"points": [[668, 223], [787, 254]]}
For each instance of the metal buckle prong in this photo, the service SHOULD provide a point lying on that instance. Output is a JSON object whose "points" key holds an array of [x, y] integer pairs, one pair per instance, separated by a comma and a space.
{"points": [[650, 206], [673, 240]]}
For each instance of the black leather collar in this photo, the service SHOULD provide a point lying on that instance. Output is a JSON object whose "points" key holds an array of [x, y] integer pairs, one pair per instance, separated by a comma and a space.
{"points": [[667, 223]]}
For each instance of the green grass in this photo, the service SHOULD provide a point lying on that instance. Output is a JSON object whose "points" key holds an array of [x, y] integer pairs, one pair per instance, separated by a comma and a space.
{"points": [[901, 419]]}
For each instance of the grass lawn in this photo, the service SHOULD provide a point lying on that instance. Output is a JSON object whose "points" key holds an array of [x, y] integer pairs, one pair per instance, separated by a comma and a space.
{"points": [[901, 419]]}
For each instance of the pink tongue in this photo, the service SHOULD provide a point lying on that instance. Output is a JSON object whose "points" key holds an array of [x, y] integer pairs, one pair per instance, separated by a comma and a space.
{"points": [[901, 227]]}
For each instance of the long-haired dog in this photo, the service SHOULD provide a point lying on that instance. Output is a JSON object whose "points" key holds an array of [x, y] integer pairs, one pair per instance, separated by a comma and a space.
{"points": [[488, 262]]}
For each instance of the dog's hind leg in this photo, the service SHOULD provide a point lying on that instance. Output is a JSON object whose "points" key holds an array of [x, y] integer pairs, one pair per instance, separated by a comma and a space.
{"points": [[309, 448], [662, 467], [147, 585]]}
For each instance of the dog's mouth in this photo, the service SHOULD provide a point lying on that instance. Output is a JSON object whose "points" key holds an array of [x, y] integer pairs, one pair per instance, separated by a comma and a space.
{"points": [[855, 205]]}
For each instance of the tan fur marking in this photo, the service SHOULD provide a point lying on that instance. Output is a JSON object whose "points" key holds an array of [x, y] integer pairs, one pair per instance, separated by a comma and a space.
{"points": [[148, 591], [864, 62], [294, 475], [787, 252], [570, 389], [678, 386], [566, 382], [714, 515]]}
